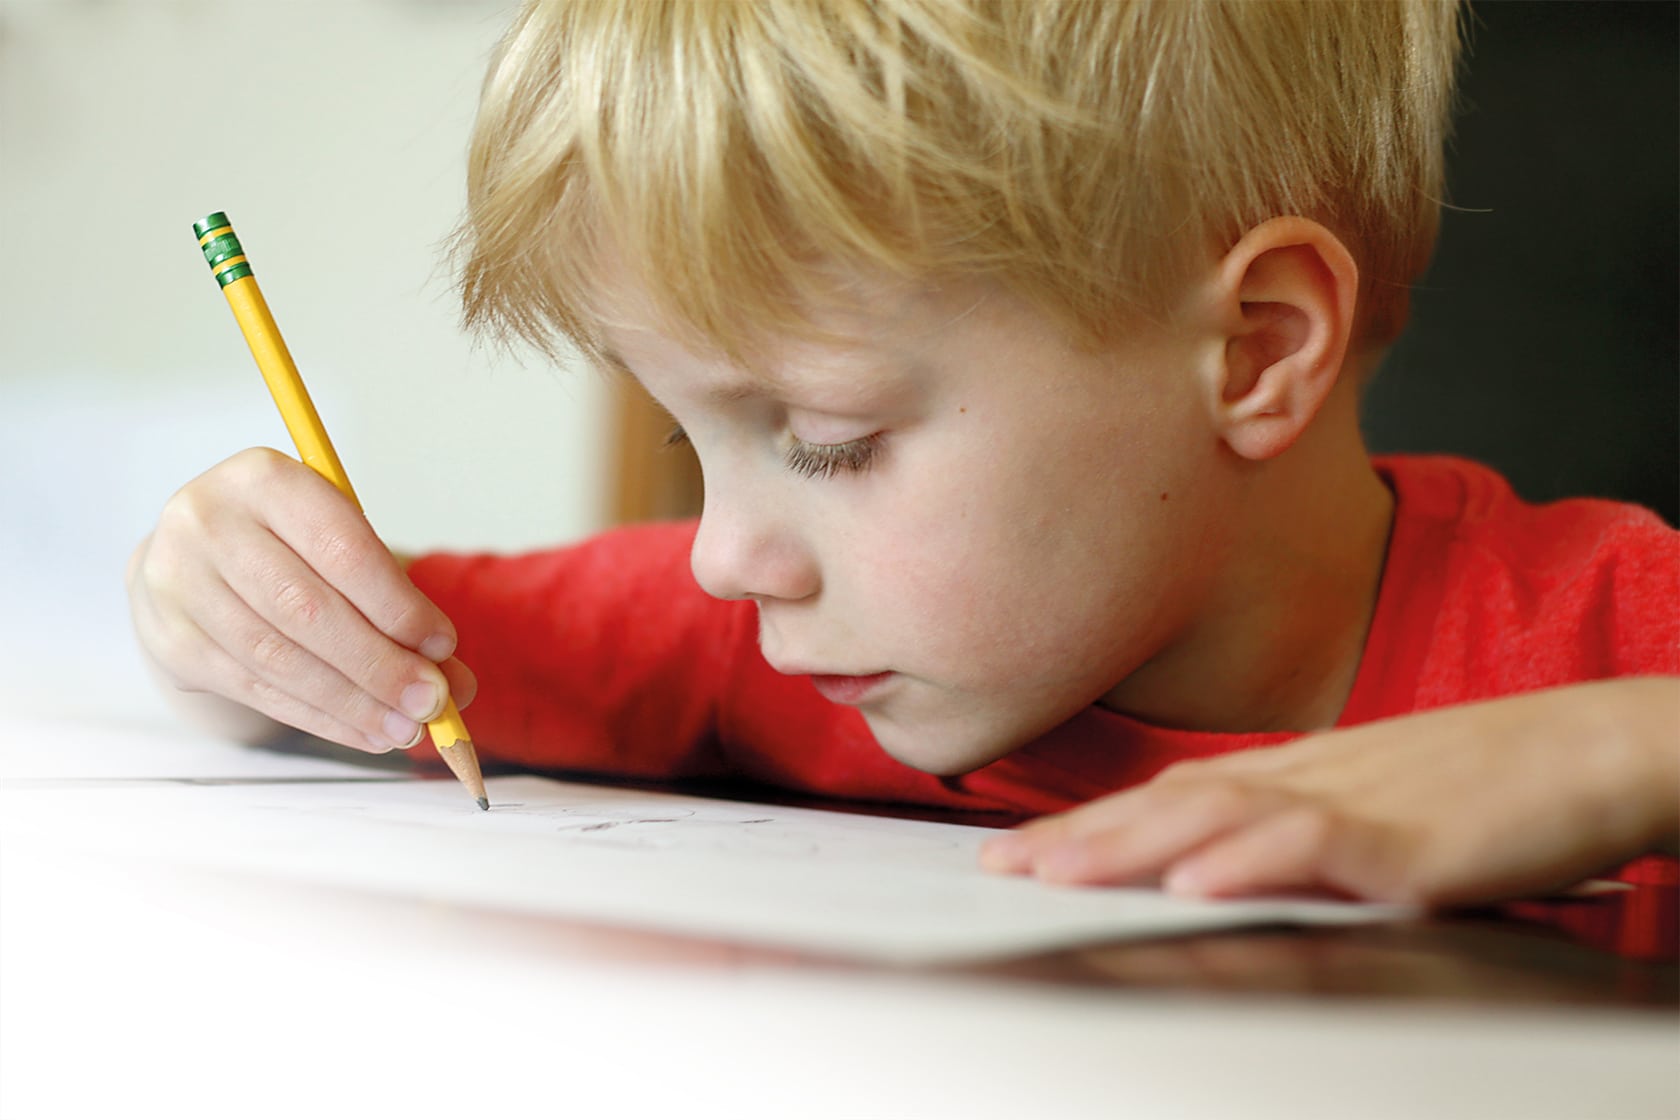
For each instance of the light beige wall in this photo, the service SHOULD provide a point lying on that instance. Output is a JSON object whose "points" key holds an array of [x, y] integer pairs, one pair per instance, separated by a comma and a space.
{"points": [[333, 132]]}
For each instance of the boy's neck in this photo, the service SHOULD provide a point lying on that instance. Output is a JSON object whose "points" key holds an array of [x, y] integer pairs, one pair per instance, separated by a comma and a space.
{"points": [[1279, 645]]}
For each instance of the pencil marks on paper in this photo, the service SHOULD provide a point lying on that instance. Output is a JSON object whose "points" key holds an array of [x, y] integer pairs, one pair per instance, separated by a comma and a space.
{"points": [[716, 828], [638, 821]]}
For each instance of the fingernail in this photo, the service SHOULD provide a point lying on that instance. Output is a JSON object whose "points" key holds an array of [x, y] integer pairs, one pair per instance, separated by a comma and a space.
{"points": [[421, 702], [400, 729], [438, 647]]}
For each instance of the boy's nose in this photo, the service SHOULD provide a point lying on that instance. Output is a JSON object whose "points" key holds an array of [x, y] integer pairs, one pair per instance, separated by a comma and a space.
{"points": [[743, 552]]}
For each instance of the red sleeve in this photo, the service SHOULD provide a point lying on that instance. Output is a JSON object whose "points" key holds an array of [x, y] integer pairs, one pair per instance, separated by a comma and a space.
{"points": [[1487, 595], [1603, 594], [1576, 590], [604, 656]]}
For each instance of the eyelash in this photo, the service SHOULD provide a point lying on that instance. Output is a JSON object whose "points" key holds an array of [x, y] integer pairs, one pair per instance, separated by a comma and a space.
{"points": [[816, 460], [825, 460]]}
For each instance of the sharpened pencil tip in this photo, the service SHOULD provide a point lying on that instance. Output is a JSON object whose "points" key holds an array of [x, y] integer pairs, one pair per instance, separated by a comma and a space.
{"points": [[484, 803]]}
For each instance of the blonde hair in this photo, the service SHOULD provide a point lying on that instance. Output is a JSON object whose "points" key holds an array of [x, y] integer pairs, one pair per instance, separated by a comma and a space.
{"points": [[1087, 154]]}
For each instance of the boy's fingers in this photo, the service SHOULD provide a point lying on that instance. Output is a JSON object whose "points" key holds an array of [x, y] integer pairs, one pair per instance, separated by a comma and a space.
{"points": [[1280, 852], [311, 614], [264, 584], [269, 660], [1015, 851], [349, 557], [314, 520], [1177, 822], [226, 676], [463, 683]]}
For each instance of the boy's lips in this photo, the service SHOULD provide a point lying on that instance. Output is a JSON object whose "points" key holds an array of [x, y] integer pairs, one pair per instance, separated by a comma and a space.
{"points": [[838, 688], [846, 688]]}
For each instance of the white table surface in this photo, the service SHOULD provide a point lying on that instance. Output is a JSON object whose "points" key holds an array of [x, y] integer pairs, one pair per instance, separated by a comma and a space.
{"points": [[134, 990]]}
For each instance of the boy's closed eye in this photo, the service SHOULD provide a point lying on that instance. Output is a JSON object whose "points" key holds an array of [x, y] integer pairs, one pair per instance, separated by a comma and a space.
{"points": [[815, 460]]}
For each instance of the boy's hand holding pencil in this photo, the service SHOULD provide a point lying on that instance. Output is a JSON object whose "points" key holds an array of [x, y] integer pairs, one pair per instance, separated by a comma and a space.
{"points": [[265, 585], [262, 583]]}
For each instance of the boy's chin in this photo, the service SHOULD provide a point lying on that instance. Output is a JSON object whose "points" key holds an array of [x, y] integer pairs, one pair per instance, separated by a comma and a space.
{"points": [[945, 748]]}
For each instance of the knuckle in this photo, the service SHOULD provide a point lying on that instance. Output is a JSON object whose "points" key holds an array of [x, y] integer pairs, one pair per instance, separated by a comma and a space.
{"points": [[335, 548], [162, 571], [256, 466], [298, 602], [267, 698], [258, 689], [273, 653], [362, 711], [196, 506], [347, 699], [1222, 799], [411, 621], [185, 514], [375, 673], [1317, 826]]}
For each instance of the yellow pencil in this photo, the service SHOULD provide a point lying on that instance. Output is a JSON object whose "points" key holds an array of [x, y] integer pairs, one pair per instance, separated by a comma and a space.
{"points": [[227, 262]]}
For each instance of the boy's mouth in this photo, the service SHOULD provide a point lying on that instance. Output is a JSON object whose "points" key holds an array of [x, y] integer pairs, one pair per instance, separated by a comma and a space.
{"points": [[848, 690]]}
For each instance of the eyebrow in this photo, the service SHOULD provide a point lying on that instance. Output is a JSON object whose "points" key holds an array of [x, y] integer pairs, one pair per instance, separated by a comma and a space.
{"points": [[735, 391], [727, 393]]}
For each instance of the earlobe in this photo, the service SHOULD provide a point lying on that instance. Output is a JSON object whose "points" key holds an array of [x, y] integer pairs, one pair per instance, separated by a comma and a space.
{"points": [[1286, 294]]}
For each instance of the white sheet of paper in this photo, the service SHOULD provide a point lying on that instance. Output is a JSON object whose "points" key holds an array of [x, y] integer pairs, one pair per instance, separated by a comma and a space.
{"points": [[863, 887]]}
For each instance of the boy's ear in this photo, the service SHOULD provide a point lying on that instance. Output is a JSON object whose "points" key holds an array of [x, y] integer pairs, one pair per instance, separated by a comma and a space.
{"points": [[1285, 299]]}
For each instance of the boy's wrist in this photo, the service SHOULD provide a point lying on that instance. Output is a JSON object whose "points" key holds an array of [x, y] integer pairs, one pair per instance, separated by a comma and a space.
{"points": [[1666, 760], [1646, 717]]}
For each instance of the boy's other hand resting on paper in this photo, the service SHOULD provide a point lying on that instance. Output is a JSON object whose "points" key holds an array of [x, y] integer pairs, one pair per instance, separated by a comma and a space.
{"points": [[1460, 804], [264, 586]]}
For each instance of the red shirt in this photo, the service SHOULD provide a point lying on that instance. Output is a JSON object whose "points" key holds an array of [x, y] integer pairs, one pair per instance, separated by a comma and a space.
{"points": [[606, 656]]}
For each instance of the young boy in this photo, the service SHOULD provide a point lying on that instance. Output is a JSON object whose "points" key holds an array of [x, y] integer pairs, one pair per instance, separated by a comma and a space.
{"points": [[1021, 346]]}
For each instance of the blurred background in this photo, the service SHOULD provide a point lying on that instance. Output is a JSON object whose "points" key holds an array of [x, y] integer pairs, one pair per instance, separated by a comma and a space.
{"points": [[1545, 338], [333, 132]]}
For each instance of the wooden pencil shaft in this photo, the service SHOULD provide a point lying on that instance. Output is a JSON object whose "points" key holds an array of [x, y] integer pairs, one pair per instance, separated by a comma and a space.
{"points": [[280, 373]]}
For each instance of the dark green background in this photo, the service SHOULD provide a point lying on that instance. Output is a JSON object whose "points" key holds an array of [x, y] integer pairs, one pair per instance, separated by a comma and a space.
{"points": [[1545, 338]]}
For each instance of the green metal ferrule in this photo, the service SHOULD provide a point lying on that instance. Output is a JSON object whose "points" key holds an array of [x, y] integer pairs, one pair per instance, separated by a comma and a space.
{"points": [[223, 252], [209, 222], [237, 272], [223, 248]]}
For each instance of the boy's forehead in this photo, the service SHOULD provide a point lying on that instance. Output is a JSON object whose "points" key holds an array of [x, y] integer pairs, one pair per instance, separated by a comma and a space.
{"points": [[866, 330], [792, 367]]}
